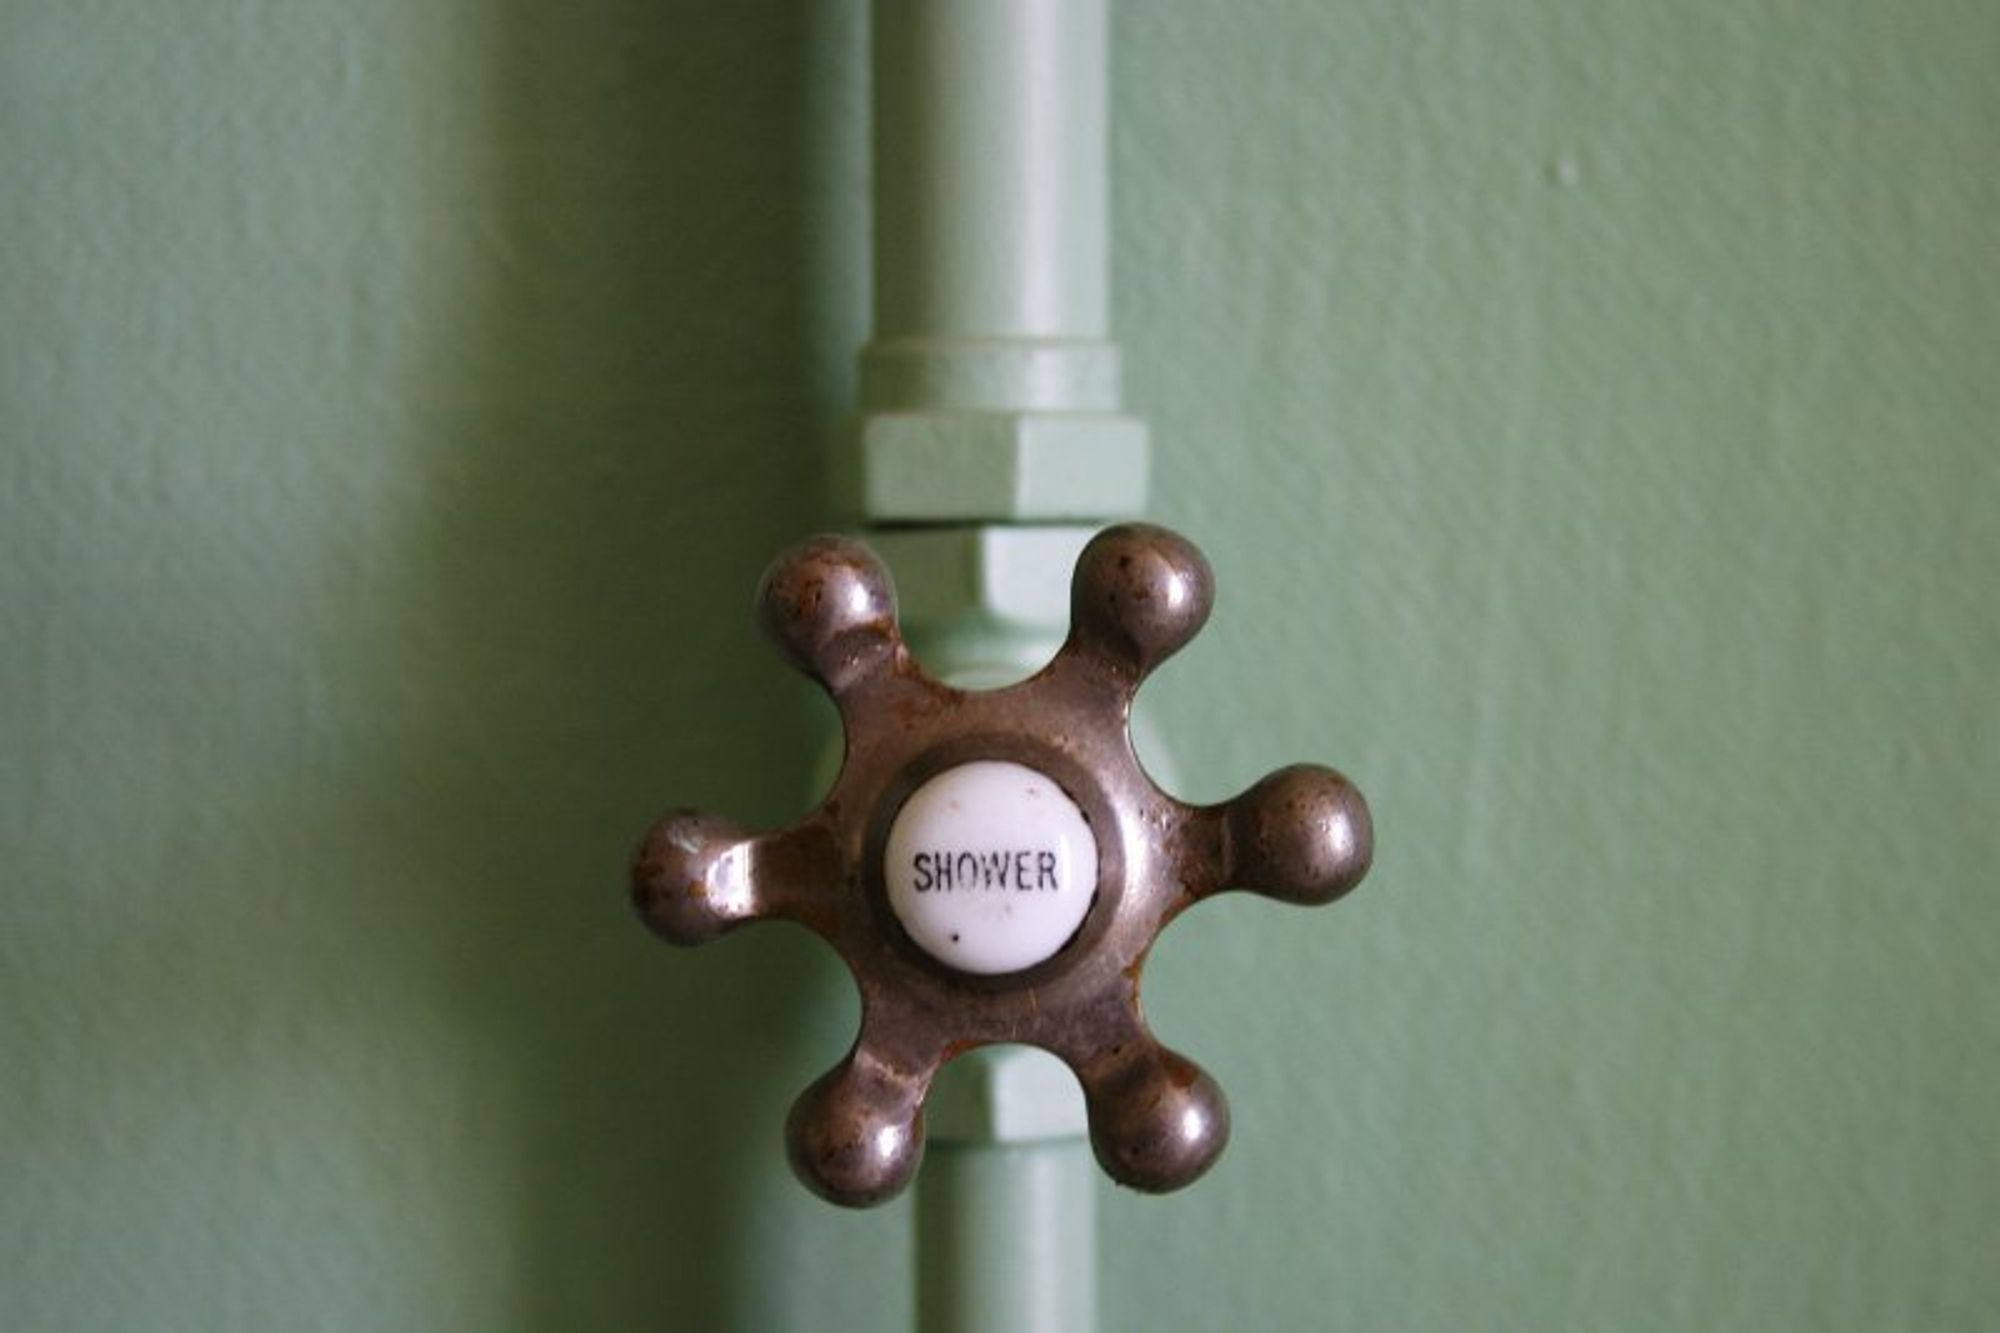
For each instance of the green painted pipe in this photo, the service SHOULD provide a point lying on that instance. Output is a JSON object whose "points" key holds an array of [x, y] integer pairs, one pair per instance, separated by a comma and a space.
{"points": [[1007, 1200], [991, 414], [989, 1219], [990, 192], [994, 223]]}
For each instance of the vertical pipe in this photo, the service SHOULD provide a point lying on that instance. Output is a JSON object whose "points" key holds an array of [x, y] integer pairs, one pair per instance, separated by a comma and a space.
{"points": [[1007, 1199], [991, 341], [990, 146], [992, 224], [1008, 1238]]}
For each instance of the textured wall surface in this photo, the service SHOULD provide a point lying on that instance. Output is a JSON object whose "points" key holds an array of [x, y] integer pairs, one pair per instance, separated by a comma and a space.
{"points": [[1590, 410]]}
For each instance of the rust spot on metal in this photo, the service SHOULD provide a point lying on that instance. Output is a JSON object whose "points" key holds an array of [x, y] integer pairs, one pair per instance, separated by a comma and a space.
{"points": [[816, 914]]}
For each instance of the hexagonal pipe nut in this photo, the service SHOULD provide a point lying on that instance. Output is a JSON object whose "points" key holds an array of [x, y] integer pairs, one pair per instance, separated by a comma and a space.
{"points": [[959, 466]]}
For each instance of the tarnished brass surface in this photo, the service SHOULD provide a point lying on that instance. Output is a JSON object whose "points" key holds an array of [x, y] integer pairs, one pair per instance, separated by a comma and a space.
{"points": [[1157, 1120]]}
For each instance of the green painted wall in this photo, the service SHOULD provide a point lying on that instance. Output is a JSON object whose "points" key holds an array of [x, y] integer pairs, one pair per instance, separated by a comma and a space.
{"points": [[1589, 407]]}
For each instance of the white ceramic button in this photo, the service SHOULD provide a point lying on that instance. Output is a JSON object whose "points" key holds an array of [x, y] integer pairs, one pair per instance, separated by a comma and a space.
{"points": [[990, 867]]}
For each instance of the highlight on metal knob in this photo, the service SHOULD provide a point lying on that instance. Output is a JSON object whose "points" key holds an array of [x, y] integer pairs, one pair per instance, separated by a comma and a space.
{"points": [[994, 865]]}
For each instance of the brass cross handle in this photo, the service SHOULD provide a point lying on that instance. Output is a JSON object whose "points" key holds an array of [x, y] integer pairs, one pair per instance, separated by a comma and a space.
{"points": [[994, 865]]}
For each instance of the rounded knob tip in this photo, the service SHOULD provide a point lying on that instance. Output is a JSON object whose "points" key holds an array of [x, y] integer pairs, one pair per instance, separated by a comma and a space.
{"points": [[856, 1138], [1302, 834], [828, 605], [1140, 593], [689, 880], [1160, 1125]]}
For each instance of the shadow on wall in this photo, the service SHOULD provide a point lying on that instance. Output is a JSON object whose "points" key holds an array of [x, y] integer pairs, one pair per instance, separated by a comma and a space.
{"points": [[656, 345]]}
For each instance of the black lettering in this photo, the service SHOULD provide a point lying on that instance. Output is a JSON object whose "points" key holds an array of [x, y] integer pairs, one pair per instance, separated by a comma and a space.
{"points": [[1024, 870]]}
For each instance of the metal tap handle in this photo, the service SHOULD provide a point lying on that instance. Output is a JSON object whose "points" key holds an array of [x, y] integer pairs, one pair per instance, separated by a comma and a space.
{"points": [[993, 866]]}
